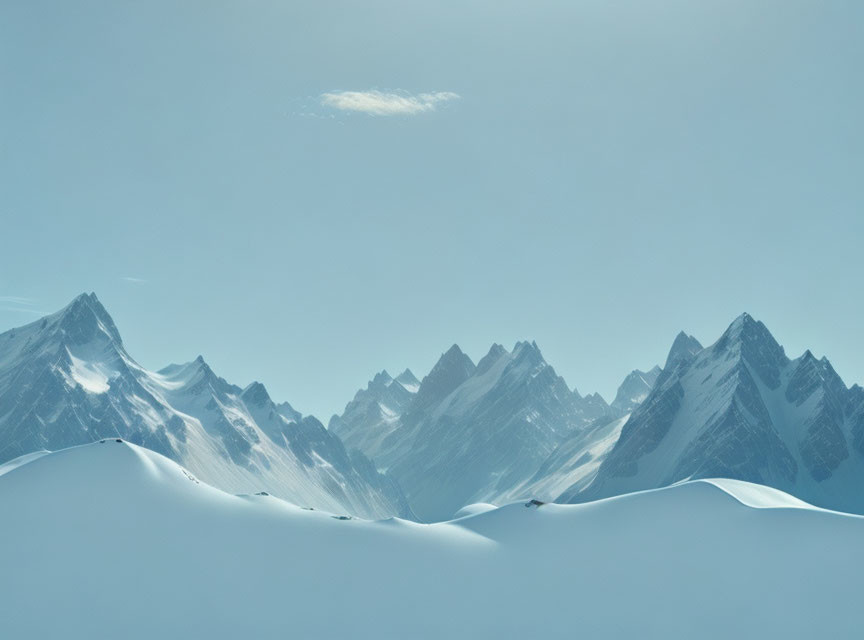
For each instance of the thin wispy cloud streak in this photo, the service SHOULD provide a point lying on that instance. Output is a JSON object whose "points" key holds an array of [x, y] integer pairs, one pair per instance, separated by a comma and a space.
{"points": [[16, 300], [19, 304], [133, 280], [380, 103], [36, 312]]}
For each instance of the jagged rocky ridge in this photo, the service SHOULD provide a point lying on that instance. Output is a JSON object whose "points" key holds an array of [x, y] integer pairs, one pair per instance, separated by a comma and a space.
{"points": [[742, 409], [67, 380], [508, 428], [503, 429], [479, 433]]}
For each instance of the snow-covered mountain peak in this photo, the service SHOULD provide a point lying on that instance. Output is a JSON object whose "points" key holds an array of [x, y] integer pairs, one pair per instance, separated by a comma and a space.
{"points": [[745, 330], [684, 347], [453, 356], [595, 399], [451, 370], [382, 378], [81, 302], [255, 394], [194, 376], [808, 375], [751, 341], [635, 388], [454, 360], [184, 369], [76, 348], [528, 352], [288, 412], [408, 381], [84, 319], [496, 352]]}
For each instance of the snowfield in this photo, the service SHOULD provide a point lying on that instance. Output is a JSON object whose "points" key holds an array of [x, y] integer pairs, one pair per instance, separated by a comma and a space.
{"points": [[111, 540]]}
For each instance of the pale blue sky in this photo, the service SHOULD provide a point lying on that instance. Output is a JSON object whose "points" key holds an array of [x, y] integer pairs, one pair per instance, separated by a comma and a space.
{"points": [[611, 173]]}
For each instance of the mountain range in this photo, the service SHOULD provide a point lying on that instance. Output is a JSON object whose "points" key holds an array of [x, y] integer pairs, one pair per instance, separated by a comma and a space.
{"points": [[742, 409], [67, 380], [470, 433], [505, 428]]}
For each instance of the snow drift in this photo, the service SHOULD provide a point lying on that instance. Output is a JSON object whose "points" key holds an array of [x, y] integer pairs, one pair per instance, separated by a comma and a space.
{"points": [[113, 540]]}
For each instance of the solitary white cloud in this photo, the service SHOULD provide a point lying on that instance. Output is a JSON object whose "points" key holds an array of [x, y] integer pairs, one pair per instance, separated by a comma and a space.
{"points": [[134, 280], [379, 103]]}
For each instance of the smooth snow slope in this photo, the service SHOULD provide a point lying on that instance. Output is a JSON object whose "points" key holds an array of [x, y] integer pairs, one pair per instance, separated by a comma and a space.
{"points": [[111, 540]]}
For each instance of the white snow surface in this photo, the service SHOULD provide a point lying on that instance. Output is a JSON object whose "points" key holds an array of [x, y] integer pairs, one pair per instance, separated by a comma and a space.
{"points": [[473, 509], [112, 540], [88, 376]]}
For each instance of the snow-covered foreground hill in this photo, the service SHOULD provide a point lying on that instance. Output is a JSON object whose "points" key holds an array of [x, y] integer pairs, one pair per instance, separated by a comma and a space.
{"points": [[111, 540]]}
